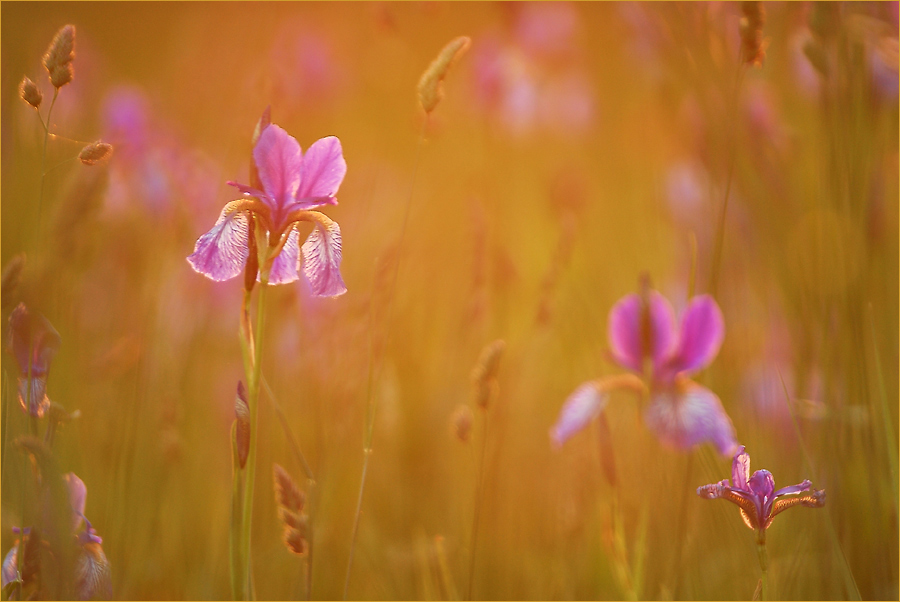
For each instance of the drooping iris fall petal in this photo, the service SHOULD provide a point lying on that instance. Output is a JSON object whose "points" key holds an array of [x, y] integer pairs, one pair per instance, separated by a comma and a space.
{"points": [[586, 402], [321, 257], [690, 414], [221, 253], [284, 268]]}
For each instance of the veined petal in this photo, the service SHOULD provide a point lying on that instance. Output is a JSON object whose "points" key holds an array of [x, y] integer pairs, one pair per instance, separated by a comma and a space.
{"points": [[630, 338], [32, 340], [689, 414], [578, 410], [284, 268], [278, 159], [740, 470], [702, 331], [323, 169], [321, 256], [92, 573], [33, 395], [221, 253], [10, 571]]}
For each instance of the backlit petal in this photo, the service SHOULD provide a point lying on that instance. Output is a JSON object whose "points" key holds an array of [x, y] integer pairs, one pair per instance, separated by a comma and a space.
{"points": [[10, 571], [321, 257], [627, 338], [249, 190], [578, 410], [284, 268], [804, 486], [221, 253], [740, 470], [687, 415], [323, 169], [702, 331], [77, 498], [32, 340], [762, 483], [278, 159]]}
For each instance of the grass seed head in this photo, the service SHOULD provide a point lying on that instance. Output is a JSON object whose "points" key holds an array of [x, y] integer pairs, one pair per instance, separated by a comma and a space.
{"points": [[430, 84], [59, 56], [95, 152], [30, 93]]}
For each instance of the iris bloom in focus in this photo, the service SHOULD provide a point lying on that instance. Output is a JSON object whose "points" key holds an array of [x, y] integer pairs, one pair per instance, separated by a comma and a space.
{"points": [[33, 342], [286, 185], [644, 339], [756, 495]]}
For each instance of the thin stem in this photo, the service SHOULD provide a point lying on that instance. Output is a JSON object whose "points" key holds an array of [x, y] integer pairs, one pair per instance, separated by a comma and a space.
{"points": [[37, 235], [720, 228], [479, 484], [311, 480], [237, 501], [252, 398], [764, 567], [371, 401], [682, 524]]}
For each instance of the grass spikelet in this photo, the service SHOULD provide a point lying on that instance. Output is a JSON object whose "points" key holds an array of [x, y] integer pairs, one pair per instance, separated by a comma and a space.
{"points": [[59, 56], [461, 422], [30, 93], [290, 502], [430, 84], [484, 374], [753, 46], [95, 152]]}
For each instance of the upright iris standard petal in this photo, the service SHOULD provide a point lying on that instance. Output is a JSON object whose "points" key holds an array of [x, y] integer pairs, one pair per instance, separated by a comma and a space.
{"points": [[636, 331], [323, 169], [762, 484], [284, 268], [586, 402], [740, 469], [278, 159], [77, 498], [689, 414], [321, 256], [702, 331], [221, 253]]}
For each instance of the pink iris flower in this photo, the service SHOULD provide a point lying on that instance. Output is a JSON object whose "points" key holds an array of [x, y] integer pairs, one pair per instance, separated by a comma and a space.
{"points": [[756, 495], [289, 185], [644, 339]]}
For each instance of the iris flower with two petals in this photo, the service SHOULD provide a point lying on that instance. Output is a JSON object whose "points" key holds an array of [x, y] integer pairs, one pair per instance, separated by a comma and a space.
{"points": [[286, 186], [644, 339]]}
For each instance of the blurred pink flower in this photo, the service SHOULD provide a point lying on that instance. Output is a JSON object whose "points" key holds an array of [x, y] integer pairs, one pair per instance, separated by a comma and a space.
{"points": [[305, 67], [533, 80], [643, 338]]}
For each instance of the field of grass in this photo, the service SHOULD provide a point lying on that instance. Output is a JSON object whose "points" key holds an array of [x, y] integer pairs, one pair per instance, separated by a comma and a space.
{"points": [[578, 151]]}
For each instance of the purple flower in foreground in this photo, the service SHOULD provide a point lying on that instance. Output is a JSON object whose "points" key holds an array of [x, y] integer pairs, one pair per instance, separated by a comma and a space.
{"points": [[33, 342], [644, 339], [286, 185], [92, 573], [756, 495]]}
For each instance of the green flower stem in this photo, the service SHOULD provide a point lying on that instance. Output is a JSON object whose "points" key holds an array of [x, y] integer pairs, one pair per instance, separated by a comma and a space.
{"points": [[253, 382], [764, 567], [237, 502]]}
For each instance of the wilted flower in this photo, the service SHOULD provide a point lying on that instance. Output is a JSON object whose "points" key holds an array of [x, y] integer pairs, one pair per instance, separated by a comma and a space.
{"points": [[33, 342], [644, 339], [756, 495], [290, 185]]}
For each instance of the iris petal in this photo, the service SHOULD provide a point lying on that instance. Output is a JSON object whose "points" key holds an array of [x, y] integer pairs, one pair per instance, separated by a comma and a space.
{"points": [[702, 331], [690, 414], [578, 410], [321, 257], [278, 159], [284, 268], [323, 169], [221, 253], [627, 338]]}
